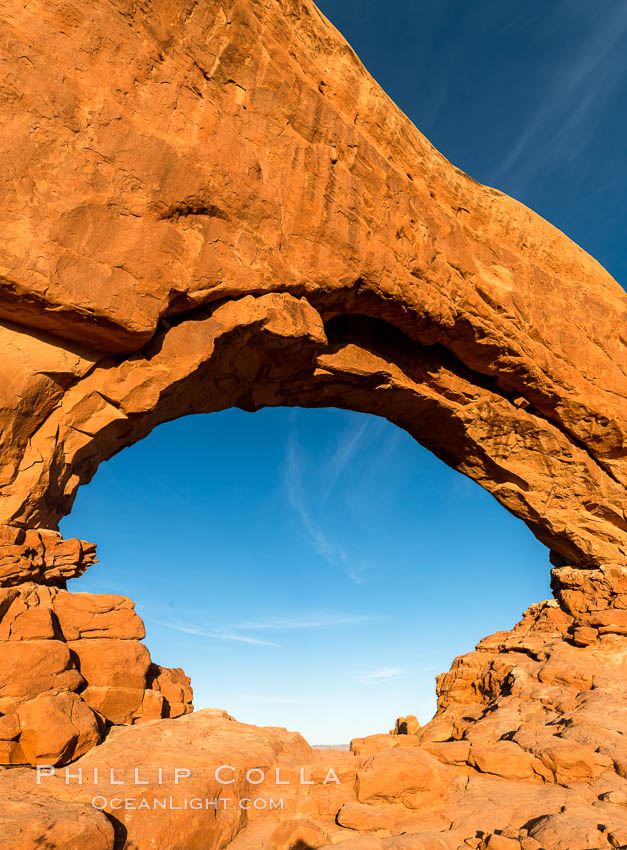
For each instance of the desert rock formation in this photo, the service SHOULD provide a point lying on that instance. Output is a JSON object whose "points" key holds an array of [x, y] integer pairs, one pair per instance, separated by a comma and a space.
{"points": [[207, 205], [72, 664], [212, 184], [389, 793]]}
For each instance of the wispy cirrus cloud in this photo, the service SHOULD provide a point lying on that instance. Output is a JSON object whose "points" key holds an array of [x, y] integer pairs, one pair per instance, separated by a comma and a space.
{"points": [[262, 698], [386, 674], [345, 450], [216, 634], [309, 490], [305, 622], [581, 89], [319, 541], [358, 571], [309, 621]]}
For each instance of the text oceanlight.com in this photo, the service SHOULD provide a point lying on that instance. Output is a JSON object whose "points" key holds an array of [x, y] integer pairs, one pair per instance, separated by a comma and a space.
{"points": [[171, 803]]}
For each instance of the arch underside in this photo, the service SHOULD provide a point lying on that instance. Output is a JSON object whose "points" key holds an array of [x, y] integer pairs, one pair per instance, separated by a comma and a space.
{"points": [[276, 349]]}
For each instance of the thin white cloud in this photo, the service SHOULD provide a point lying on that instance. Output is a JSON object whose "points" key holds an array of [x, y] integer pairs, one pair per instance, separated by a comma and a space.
{"points": [[388, 444], [318, 539], [273, 700], [217, 635], [565, 121], [386, 674], [357, 572], [320, 484], [309, 621], [344, 451]]}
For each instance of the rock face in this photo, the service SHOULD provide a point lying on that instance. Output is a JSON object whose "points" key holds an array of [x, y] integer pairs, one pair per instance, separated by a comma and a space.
{"points": [[230, 212], [42, 556], [207, 205], [30, 821], [71, 665], [246, 788]]}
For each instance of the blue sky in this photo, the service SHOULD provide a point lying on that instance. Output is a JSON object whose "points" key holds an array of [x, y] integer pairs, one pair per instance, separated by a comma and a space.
{"points": [[528, 97], [316, 569]]}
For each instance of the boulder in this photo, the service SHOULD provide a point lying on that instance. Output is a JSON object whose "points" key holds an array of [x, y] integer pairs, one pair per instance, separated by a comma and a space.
{"points": [[175, 688], [9, 727], [124, 705], [301, 834], [572, 827], [109, 663], [506, 759], [406, 725], [43, 665], [572, 762], [26, 613], [56, 728], [408, 775], [367, 818], [34, 624], [90, 615], [11, 753], [32, 822]]}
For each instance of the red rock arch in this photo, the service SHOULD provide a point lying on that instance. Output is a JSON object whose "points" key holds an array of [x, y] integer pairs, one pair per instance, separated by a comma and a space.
{"points": [[237, 185], [215, 205], [275, 349]]}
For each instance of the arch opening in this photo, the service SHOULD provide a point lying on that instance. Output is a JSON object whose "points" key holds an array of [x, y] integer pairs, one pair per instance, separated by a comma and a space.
{"points": [[312, 569]]}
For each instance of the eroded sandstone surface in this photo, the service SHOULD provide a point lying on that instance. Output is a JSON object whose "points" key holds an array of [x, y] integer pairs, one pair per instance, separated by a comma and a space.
{"points": [[212, 204], [72, 664], [228, 784]]}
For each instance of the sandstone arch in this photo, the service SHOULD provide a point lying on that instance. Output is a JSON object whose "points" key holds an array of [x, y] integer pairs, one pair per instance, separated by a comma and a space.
{"points": [[285, 189], [213, 204], [275, 349]]}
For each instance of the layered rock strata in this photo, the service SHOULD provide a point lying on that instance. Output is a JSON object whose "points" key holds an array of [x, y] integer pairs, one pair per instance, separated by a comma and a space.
{"points": [[42, 556], [72, 665]]}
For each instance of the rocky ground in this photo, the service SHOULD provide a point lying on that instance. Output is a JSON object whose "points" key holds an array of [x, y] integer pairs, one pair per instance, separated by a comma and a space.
{"points": [[527, 750]]}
